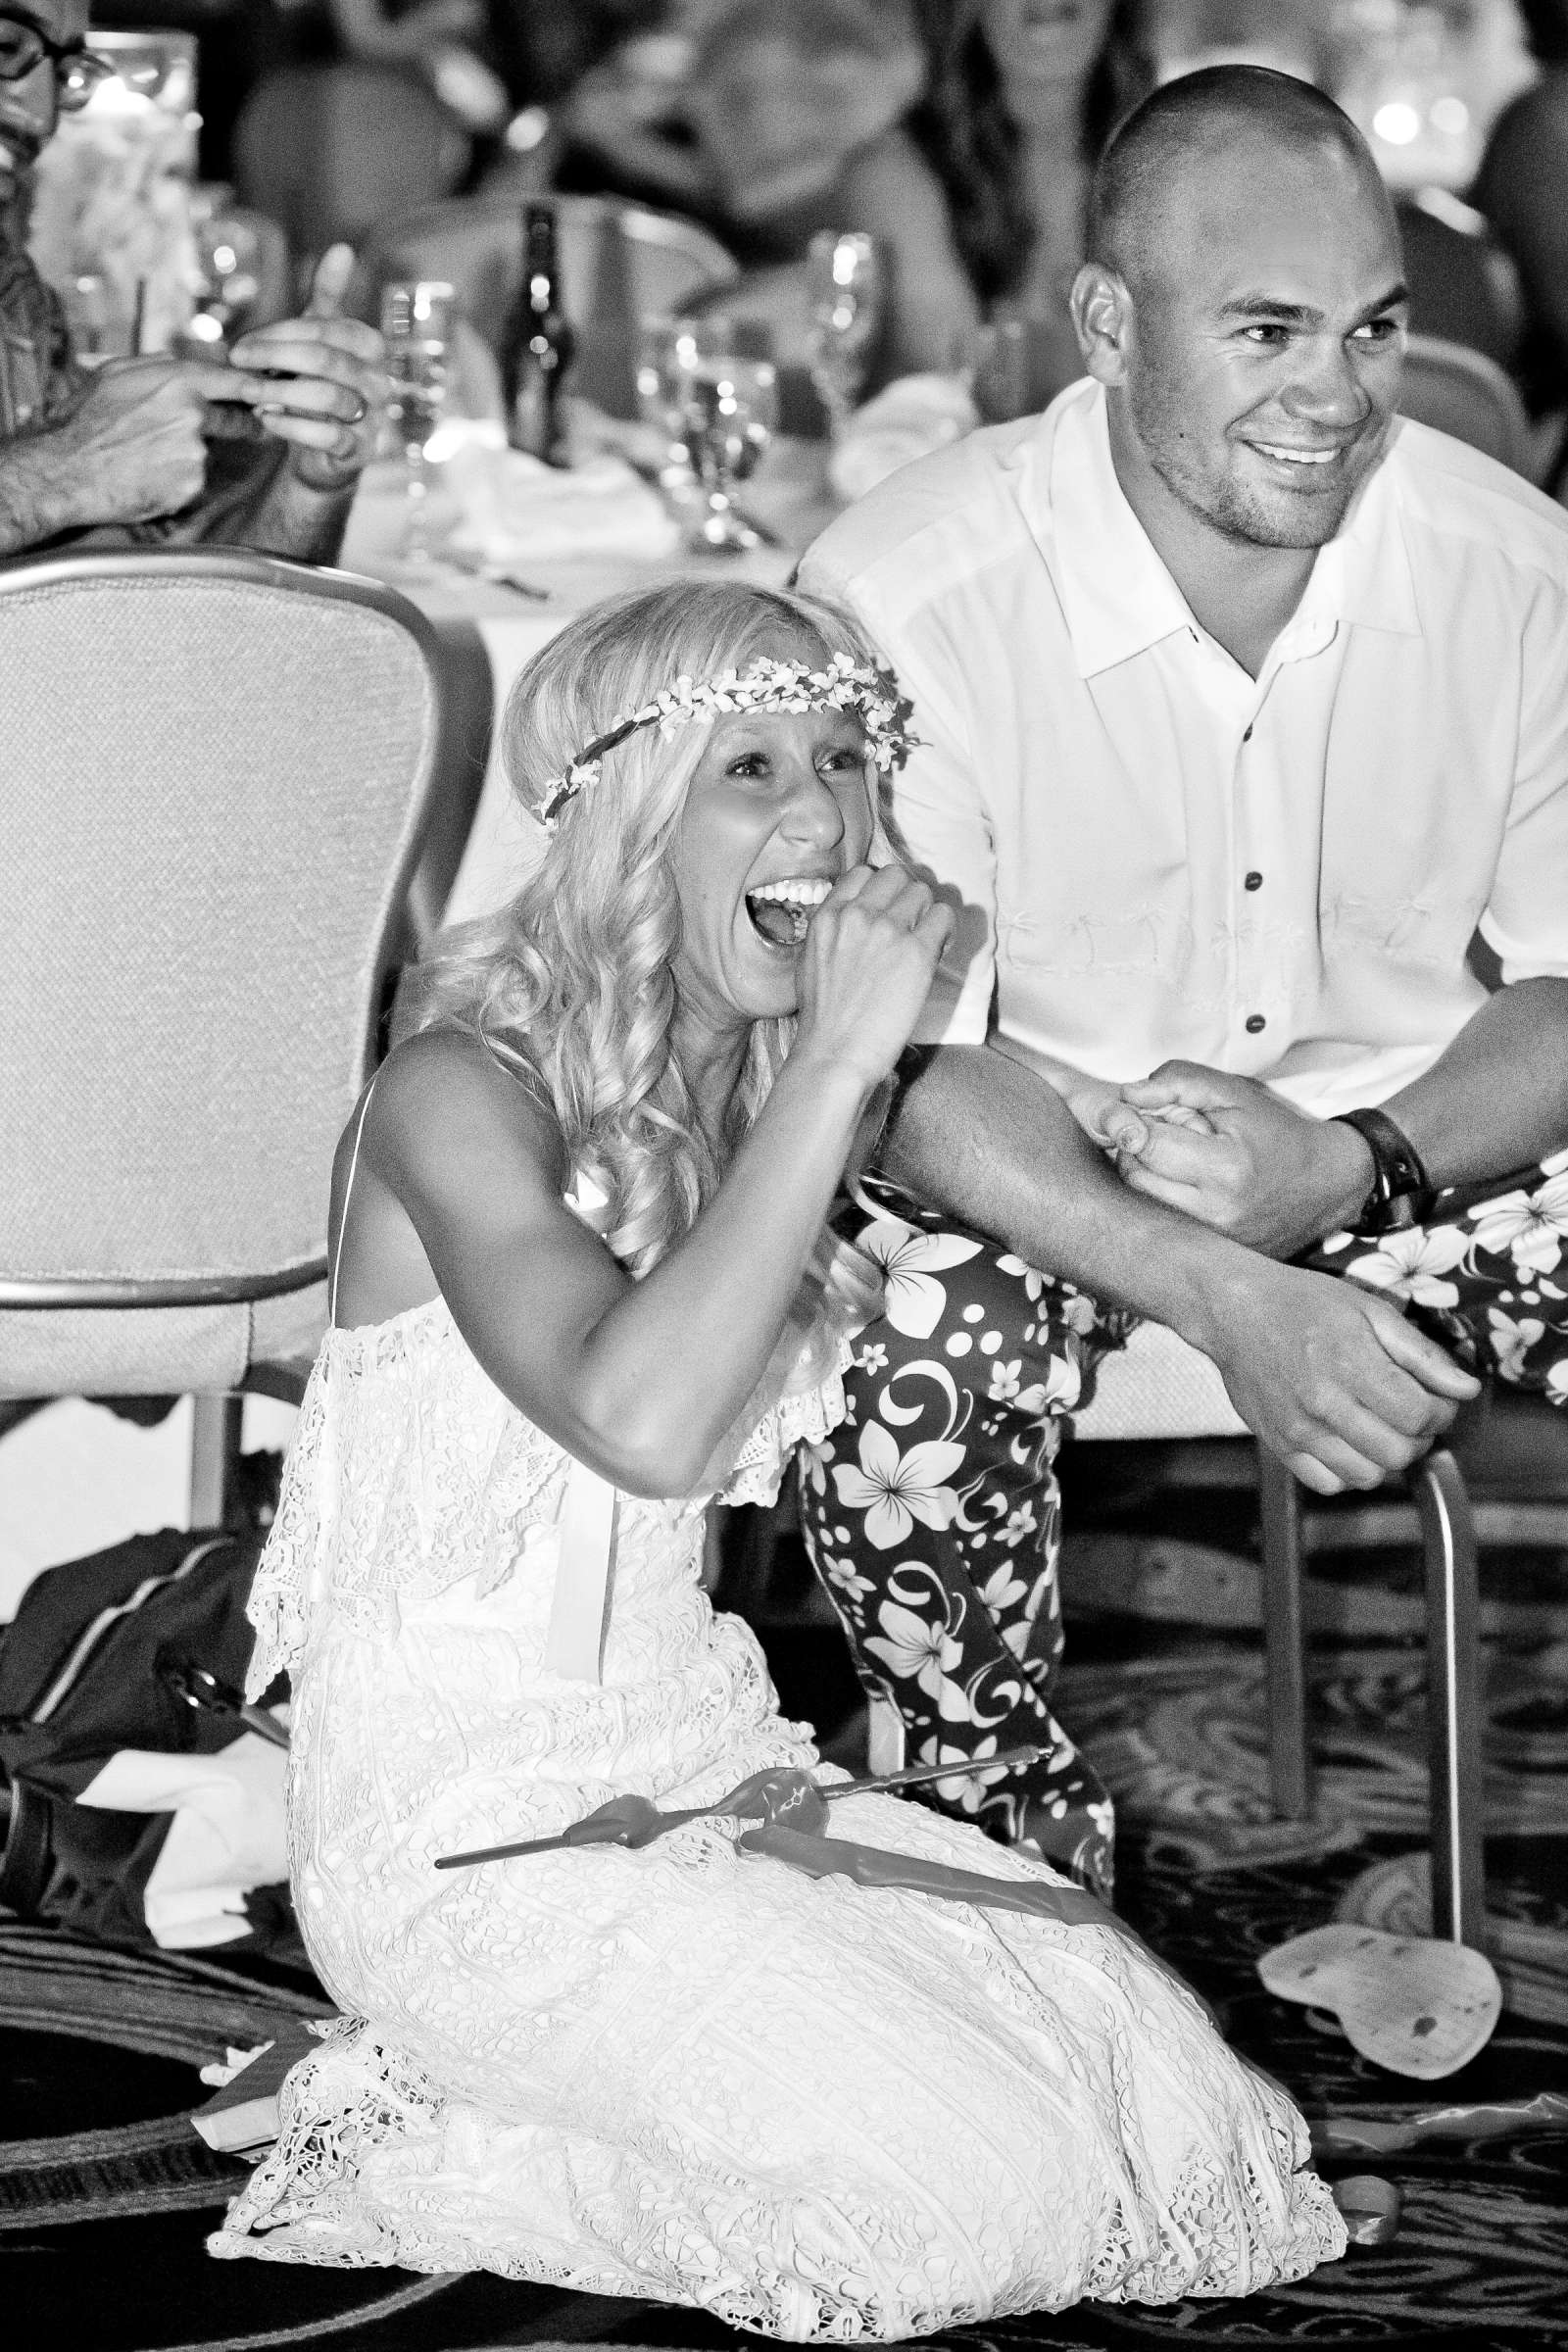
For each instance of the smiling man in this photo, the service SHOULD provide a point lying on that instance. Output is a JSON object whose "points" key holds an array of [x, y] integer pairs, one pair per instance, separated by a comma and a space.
{"points": [[264, 452], [1244, 704]]}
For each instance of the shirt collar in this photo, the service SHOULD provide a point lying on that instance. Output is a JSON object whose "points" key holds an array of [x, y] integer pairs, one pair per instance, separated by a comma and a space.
{"points": [[1117, 596]]}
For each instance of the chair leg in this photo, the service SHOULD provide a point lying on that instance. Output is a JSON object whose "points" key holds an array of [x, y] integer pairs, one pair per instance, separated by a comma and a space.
{"points": [[1453, 1699], [214, 1450], [885, 1745], [1289, 1754]]}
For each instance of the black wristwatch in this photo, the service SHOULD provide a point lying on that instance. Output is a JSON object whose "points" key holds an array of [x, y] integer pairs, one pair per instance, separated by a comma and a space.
{"points": [[1401, 1194]]}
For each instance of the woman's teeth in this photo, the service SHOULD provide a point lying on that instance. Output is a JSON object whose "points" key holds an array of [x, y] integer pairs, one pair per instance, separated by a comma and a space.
{"points": [[782, 911]]}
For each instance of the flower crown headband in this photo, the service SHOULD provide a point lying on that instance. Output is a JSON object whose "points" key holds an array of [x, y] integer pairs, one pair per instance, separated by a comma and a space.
{"points": [[845, 685]]}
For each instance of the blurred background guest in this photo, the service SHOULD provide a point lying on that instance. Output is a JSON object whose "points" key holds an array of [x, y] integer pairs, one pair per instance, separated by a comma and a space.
{"points": [[1523, 191]]}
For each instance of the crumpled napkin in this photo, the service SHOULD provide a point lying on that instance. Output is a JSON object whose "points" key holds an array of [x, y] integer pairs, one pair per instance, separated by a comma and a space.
{"points": [[907, 419], [514, 508]]}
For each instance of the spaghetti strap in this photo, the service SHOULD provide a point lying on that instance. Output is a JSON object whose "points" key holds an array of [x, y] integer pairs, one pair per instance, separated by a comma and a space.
{"points": [[348, 1195]]}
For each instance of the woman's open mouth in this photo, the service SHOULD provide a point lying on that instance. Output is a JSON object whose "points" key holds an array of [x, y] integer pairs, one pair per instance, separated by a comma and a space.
{"points": [[781, 911]]}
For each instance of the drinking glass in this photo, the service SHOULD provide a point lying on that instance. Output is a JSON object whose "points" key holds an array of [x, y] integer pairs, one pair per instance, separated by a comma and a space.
{"points": [[229, 256], [416, 320], [729, 414], [846, 281], [660, 398]]}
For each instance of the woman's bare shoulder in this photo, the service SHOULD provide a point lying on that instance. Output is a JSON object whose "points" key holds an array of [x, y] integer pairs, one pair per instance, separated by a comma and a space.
{"points": [[445, 1095]]}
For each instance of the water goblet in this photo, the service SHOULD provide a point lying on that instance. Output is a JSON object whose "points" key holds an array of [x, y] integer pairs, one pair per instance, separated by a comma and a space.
{"points": [[845, 280], [416, 321], [660, 396], [729, 412]]}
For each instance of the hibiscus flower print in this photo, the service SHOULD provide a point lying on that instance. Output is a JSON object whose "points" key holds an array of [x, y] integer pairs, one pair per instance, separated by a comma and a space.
{"points": [[843, 1574], [914, 1300], [1557, 1381], [1058, 1392], [1019, 1523], [1512, 1341], [1530, 1226], [1003, 1588], [895, 1489], [1412, 1265], [915, 1649]]}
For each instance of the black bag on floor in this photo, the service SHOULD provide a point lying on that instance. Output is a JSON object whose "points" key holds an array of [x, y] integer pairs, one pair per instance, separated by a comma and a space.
{"points": [[111, 1665]]}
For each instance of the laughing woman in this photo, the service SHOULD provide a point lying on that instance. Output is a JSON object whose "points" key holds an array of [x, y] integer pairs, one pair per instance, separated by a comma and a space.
{"points": [[857, 2085]]}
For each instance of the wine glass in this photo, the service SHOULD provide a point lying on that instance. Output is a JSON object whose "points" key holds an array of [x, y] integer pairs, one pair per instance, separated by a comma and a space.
{"points": [[660, 396], [416, 321], [728, 415], [845, 280]]}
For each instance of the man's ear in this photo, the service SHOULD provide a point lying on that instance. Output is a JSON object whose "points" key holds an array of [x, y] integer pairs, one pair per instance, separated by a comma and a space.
{"points": [[1102, 320]]}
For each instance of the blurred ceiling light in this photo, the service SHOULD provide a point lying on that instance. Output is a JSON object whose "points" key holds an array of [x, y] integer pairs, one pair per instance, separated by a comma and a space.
{"points": [[1398, 122]]}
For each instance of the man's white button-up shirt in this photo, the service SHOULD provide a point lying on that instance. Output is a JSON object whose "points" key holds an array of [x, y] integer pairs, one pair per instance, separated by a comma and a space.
{"points": [[1158, 854]]}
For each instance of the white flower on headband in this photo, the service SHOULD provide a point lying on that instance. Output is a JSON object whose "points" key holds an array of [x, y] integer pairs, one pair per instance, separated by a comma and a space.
{"points": [[768, 685]]}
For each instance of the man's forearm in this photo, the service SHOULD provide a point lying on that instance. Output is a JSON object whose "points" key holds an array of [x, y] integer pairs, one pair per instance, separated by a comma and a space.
{"points": [[292, 520], [978, 1134], [1497, 1098]]}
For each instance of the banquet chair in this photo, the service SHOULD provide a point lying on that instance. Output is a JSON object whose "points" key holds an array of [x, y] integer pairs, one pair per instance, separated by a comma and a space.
{"points": [[620, 264], [1462, 392], [219, 771]]}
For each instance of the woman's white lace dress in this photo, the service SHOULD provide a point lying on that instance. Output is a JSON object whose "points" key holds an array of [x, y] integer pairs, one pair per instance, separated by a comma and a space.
{"points": [[813, 2109]]}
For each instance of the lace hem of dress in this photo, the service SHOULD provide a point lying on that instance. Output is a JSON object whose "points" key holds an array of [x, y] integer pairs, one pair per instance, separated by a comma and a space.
{"points": [[366, 2147], [810, 1415]]}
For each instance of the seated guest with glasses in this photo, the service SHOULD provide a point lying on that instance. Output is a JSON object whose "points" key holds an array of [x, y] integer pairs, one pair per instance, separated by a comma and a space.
{"points": [[264, 453]]}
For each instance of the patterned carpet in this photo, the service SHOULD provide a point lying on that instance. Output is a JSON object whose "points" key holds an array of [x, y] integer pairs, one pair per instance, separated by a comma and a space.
{"points": [[104, 2192]]}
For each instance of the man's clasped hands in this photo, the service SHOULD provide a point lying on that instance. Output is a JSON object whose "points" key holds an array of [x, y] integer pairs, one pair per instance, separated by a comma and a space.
{"points": [[1372, 1390]]}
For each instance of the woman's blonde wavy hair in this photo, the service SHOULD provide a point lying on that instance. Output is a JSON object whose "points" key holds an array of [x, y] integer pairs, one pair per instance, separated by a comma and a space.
{"points": [[573, 985]]}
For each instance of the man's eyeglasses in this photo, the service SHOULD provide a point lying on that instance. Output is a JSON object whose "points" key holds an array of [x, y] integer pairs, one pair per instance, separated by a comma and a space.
{"points": [[78, 70]]}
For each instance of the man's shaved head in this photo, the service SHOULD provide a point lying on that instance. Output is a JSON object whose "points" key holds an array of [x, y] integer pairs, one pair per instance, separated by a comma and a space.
{"points": [[1244, 303], [1197, 124]]}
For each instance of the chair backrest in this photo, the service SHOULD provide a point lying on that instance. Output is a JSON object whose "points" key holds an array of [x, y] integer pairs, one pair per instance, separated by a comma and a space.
{"points": [[1463, 393], [216, 773], [618, 264], [1463, 286]]}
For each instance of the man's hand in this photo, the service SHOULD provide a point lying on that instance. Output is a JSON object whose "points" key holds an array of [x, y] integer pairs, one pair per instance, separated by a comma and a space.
{"points": [[131, 449], [324, 385], [1330, 1377], [1231, 1154]]}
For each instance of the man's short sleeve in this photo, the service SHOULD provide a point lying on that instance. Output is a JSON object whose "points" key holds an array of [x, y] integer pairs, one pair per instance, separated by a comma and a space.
{"points": [[937, 810], [1526, 921]]}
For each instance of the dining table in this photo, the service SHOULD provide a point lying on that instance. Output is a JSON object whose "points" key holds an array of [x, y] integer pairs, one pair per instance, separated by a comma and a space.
{"points": [[509, 612]]}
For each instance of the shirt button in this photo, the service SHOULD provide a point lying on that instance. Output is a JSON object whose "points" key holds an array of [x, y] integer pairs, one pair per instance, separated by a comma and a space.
{"points": [[1253, 881], [1255, 1023], [1248, 736]]}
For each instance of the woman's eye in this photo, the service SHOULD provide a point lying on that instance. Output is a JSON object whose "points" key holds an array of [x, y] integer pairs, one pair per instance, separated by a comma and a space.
{"points": [[749, 763]]}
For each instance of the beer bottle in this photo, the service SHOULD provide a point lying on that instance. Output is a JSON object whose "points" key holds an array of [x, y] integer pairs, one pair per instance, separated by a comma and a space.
{"points": [[538, 346]]}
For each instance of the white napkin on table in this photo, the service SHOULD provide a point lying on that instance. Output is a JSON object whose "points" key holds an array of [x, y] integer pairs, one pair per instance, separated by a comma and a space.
{"points": [[907, 419], [514, 508]]}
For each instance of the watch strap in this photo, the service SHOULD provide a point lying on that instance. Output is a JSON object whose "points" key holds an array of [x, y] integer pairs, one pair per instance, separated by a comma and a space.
{"points": [[1402, 1194]]}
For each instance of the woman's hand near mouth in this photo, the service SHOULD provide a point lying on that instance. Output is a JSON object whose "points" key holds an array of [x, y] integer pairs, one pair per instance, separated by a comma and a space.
{"points": [[865, 969]]}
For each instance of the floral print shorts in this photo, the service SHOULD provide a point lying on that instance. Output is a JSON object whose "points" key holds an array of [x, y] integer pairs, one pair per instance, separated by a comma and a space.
{"points": [[932, 1514]]}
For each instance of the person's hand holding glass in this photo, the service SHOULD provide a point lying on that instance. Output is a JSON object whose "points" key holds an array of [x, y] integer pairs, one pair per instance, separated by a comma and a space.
{"points": [[416, 321]]}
